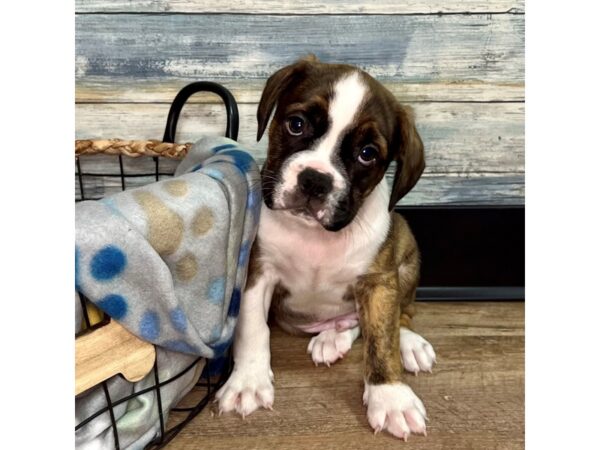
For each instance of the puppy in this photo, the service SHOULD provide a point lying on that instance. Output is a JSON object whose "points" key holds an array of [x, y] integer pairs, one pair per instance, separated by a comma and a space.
{"points": [[330, 258]]}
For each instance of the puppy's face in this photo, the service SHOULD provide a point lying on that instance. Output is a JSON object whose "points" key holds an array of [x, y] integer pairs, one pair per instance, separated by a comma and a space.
{"points": [[334, 133]]}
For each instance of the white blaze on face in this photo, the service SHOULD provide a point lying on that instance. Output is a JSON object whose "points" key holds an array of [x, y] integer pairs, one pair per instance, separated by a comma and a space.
{"points": [[348, 95]]}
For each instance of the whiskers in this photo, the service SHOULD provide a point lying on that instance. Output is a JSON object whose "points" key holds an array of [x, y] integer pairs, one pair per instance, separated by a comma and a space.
{"points": [[269, 179]]}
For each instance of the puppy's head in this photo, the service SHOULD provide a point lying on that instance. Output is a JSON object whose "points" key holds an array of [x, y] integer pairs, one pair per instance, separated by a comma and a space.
{"points": [[334, 134]]}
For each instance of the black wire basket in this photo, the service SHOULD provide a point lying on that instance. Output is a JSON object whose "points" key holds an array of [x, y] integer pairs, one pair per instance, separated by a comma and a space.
{"points": [[154, 168]]}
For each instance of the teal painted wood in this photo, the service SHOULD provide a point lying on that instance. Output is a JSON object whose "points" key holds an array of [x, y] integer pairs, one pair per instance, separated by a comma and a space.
{"points": [[480, 189], [475, 150], [113, 89], [414, 49], [460, 138]]}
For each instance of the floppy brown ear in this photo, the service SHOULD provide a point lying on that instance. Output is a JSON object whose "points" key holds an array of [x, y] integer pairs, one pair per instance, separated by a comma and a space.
{"points": [[276, 85], [410, 155]]}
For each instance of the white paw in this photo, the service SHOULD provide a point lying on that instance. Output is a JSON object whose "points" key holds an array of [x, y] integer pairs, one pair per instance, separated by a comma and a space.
{"points": [[395, 408], [330, 345], [417, 353], [247, 389]]}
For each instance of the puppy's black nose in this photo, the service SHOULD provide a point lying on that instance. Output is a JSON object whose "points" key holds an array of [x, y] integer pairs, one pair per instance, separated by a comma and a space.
{"points": [[315, 184]]}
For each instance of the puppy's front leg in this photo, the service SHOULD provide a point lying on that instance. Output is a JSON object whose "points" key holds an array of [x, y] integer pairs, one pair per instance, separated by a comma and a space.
{"points": [[250, 385], [391, 404]]}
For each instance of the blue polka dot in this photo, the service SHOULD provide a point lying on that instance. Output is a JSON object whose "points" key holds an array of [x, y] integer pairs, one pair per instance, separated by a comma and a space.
{"points": [[216, 290], [77, 282], [241, 159], [180, 346], [234, 305], [150, 326], [178, 319], [107, 263], [114, 305], [218, 148], [196, 168]]}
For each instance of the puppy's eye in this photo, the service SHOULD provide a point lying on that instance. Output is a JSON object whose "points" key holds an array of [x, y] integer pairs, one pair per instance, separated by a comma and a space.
{"points": [[295, 125], [367, 156]]}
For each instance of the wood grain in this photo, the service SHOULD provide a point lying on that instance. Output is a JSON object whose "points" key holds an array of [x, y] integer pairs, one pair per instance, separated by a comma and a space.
{"points": [[304, 7], [461, 63], [459, 138], [413, 48], [114, 89], [474, 151], [474, 398], [476, 189], [108, 351]]}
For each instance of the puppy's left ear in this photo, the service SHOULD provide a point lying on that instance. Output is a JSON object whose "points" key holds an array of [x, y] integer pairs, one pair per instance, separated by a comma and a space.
{"points": [[409, 155], [276, 85]]}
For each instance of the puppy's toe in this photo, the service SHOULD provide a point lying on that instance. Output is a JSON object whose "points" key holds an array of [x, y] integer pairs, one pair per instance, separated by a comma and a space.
{"points": [[330, 345], [410, 362], [397, 425], [394, 408], [246, 390], [417, 354]]}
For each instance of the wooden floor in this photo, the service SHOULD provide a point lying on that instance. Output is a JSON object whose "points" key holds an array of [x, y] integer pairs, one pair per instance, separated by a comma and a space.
{"points": [[474, 398]]}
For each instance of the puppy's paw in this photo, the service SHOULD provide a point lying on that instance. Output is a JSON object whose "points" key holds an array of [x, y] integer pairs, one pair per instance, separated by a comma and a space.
{"points": [[394, 408], [247, 389], [417, 353], [330, 345]]}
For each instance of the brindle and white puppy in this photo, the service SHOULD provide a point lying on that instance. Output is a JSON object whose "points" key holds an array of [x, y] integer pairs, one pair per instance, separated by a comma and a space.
{"points": [[329, 254]]}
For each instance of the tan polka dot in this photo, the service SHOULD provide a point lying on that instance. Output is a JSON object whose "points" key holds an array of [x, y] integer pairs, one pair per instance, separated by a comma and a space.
{"points": [[203, 221], [186, 268], [165, 227], [177, 188]]}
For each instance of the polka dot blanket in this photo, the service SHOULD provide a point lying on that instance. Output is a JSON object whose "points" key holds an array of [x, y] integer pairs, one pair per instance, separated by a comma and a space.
{"points": [[168, 261]]}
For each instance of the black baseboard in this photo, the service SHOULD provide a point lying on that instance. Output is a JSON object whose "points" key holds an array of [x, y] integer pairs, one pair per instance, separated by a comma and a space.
{"points": [[469, 252]]}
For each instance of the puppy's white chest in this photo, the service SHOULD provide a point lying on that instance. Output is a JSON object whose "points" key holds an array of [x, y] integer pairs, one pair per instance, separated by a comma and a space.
{"points": [[307, 259], [316, 266]]}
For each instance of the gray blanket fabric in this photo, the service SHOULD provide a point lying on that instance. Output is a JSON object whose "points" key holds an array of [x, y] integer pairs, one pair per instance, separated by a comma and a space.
{"points": [[168, 261]]}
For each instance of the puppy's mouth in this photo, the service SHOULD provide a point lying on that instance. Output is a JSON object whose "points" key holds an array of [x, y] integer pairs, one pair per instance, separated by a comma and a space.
{"points": [[306, 211], [324, 211], [314, 213]]}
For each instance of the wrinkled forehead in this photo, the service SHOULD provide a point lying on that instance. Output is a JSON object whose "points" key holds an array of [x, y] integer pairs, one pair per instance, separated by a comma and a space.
{"points": [[343, 100], [339, 94]]}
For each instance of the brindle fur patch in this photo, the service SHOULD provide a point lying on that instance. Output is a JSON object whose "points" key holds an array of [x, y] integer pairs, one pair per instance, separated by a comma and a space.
{"points": [[385, 296], [255, 268], [285, 317]]}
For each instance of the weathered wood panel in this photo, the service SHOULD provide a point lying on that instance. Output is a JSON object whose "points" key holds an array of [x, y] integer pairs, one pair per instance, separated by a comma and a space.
{"points": [[474, 151], [432, 189], [132, 61], [460, 138], [159, 90], [412, 48], [303, 7]]}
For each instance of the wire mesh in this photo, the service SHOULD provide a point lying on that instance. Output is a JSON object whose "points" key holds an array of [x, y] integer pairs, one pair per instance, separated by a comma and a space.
{"points": [[117, 174], [206, 385]]}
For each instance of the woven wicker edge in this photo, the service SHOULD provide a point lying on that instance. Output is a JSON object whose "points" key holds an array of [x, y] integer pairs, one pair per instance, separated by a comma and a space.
{"points": [[132, 149]]}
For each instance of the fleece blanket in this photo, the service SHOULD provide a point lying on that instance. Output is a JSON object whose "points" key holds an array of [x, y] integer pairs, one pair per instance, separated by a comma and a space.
{"points": [[168, 261]]}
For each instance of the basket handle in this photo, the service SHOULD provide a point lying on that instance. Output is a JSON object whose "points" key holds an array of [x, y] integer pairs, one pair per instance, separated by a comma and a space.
{"points": [[233, 120]]}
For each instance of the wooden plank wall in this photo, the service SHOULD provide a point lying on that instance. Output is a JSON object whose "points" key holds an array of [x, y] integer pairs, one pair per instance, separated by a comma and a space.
{"points": [[459, 63]]}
